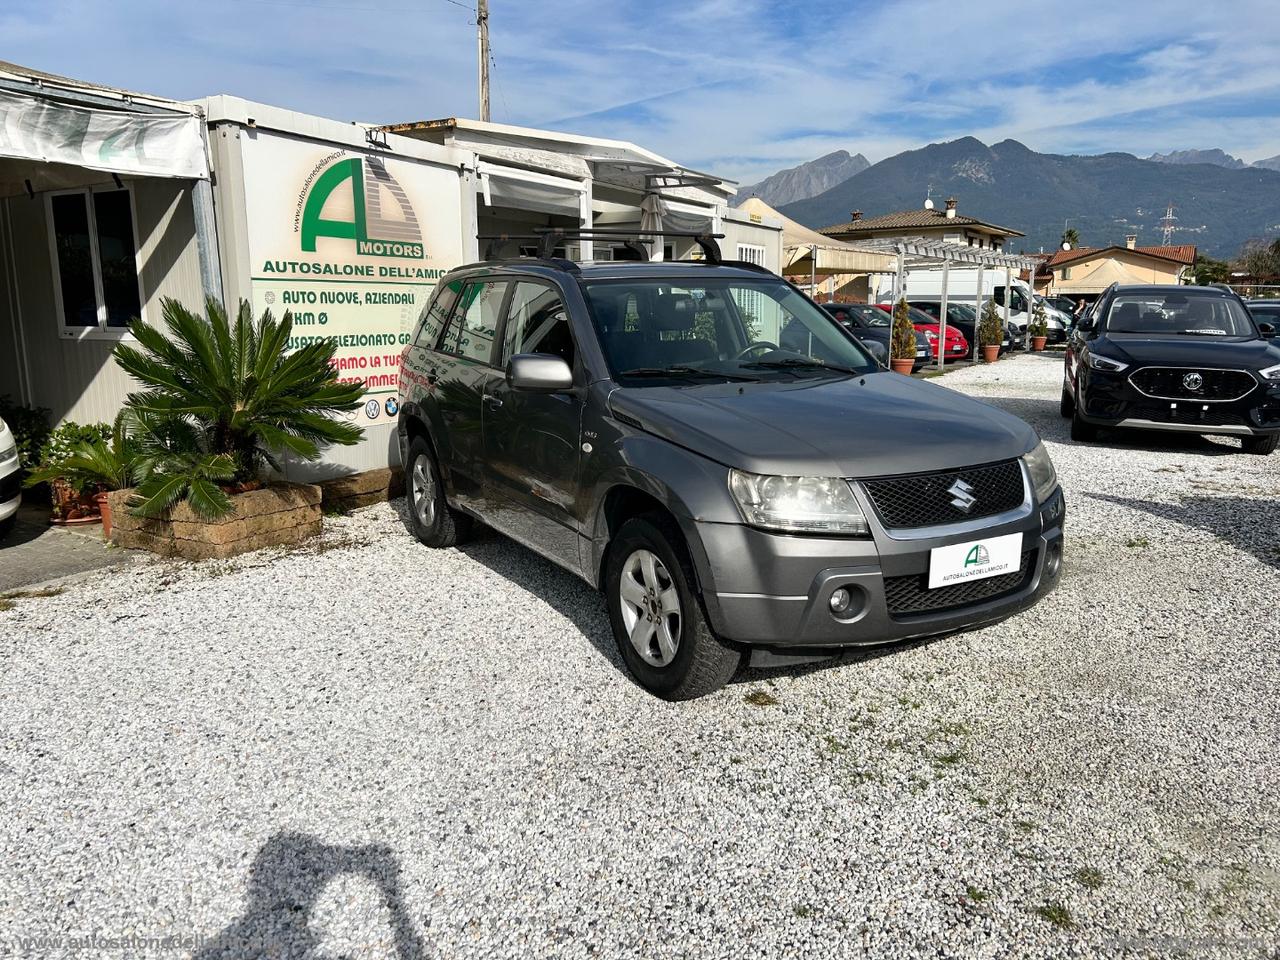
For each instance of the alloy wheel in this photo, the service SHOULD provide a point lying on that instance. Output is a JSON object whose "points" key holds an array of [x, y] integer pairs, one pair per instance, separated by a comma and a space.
{"points": [[650, 608], [423, 489]]}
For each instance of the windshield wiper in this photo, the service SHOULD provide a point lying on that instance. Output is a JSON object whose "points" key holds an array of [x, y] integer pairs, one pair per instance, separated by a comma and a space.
{"points": [[681, 372], [800, 363]]}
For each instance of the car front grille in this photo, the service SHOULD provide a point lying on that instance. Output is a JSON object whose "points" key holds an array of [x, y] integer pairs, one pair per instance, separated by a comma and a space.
{"points": [[911, 594], [10, 487], [1184, 412], [926, 500], [1171, 383]]}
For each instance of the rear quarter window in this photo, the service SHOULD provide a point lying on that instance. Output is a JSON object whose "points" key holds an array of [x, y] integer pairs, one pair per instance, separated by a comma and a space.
{"points": [[436, 313]]}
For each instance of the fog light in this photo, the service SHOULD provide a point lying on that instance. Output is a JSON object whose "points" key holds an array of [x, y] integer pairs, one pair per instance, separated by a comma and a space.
{"points": [[840, 601], [1053, 564]]}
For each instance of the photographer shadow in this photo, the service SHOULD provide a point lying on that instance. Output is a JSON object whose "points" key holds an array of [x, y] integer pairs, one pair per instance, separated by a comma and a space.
{"points": [[287, 877]]}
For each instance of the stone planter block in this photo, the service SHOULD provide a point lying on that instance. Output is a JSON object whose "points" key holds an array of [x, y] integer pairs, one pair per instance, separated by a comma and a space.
{"points": [[281, 513], [362, 489]]}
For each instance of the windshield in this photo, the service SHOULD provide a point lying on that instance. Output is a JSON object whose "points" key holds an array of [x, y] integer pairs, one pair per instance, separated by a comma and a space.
{"points": [[1184, 313], [871, 316], [662, 328]]}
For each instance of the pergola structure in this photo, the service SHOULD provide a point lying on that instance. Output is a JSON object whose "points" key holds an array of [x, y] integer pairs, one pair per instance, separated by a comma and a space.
{"points": [[924, 252]]}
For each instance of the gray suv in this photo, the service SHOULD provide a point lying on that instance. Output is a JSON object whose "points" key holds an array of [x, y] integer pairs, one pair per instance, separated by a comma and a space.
{"points": [[721, 459]]}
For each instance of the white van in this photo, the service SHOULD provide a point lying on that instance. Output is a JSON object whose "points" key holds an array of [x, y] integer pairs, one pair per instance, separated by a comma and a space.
{"points": [[10, 491]]}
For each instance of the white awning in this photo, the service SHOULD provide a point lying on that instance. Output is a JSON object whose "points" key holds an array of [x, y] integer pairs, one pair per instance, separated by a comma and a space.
{"points": [[806, 251], [36, 131]]}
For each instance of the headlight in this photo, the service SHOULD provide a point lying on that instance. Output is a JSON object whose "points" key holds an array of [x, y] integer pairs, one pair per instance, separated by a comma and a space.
{"points": [[797, 504], [1040, 468], [1105, 363], [930, 335], [1271, 373], [9, 452]]}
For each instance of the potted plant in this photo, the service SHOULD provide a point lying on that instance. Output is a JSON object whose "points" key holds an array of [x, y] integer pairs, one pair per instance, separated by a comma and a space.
{"points": [[990, 332], [903, 345], [71, 494], [1038, 328], [222, 401], [95, 466]]}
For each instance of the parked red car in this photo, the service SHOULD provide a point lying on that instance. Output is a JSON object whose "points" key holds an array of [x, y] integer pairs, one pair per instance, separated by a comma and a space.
{"points": [[957, 346]]}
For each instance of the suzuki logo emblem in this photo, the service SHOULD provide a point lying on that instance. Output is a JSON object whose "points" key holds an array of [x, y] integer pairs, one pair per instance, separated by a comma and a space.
{"points": [[1193, 381], [962, 496]]}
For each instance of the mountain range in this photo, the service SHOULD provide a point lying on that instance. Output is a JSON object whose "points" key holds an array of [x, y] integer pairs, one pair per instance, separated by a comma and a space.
{"points": [[806, 180], [1103, 197], [1219, 158]]}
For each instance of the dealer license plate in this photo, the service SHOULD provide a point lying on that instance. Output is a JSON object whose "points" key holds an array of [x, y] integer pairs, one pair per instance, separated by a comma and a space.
{"points": [[975, 560]]}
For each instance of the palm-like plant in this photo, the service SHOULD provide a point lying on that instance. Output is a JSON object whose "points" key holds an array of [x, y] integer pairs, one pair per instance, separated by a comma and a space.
{"points": [[224, 400], [97, 463]]}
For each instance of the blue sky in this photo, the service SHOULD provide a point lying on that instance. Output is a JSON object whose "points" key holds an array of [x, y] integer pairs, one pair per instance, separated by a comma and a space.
{"points": [[737, 87]]}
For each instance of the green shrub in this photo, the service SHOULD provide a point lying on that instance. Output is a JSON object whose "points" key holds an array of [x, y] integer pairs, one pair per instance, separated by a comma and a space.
{"points": [[30, 427], [990, 327], [904, 333], [65, 441], [1039, 325]]}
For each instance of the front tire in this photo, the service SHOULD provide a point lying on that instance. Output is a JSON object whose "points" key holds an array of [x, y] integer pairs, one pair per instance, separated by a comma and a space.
{"points": [[433, 522], [1081, 430], [1067, 405], [657, 617], [1261, 445]]}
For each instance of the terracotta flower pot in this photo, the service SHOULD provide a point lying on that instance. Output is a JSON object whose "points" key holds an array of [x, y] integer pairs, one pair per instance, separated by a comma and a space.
{"points": [[1037, 343], [71, 507], [990, 352], [902, 366], [104, 509]]}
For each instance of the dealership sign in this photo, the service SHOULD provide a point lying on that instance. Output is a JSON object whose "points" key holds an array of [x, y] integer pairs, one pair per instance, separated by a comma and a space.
{"points": [[351, 243]]}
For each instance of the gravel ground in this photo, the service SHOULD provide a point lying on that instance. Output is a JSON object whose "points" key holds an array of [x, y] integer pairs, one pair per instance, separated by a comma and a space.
{"points": [[367, 748]]}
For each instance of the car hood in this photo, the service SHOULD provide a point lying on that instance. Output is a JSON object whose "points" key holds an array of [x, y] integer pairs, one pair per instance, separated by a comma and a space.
{"points": [[874, 425], [1146, 350]]}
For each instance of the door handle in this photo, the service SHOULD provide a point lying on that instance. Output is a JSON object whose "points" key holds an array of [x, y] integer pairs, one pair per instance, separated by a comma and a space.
{"points": [[493, 401]]}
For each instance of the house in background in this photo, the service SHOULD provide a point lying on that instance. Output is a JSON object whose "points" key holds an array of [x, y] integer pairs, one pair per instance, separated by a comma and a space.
{"points": [[946, 225], [1087, 271]]}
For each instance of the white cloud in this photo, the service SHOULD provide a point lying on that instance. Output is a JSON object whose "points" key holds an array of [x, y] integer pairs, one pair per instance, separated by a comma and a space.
{"points": [[741, 87]]}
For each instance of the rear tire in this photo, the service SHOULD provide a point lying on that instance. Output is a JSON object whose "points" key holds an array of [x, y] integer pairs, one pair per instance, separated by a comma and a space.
{"points": [[1261, 445], [1067, 405], [433, 521], [1081, 430], [650, 591]]}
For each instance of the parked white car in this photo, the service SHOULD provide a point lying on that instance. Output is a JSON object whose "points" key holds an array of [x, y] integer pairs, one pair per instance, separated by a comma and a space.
{"points": [[10, 491]]}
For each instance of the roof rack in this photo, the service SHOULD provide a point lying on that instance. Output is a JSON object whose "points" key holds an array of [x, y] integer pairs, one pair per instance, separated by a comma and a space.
{"points": [[548, 238]]}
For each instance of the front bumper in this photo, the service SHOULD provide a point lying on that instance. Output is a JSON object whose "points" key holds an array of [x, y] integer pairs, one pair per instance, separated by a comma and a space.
{"points": [[10, 490], [774, 590], [1110, 400]]}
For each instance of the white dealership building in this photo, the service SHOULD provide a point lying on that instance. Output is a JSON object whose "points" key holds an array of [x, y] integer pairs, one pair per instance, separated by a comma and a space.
{"points": [[111, 201]]}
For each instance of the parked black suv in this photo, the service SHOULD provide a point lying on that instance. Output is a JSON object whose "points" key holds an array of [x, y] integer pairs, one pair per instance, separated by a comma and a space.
{"points": [[1173, 358], [722, 459]]}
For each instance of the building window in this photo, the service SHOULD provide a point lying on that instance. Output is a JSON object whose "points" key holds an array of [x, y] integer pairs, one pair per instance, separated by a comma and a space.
{"points": [[93, 248], [1066, 273], [751, 253]]}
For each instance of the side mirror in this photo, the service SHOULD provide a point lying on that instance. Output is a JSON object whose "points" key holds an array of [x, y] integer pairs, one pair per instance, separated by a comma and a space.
{"points": [[1267, 329], [539, 373], [1084, 324], [878, 351]]}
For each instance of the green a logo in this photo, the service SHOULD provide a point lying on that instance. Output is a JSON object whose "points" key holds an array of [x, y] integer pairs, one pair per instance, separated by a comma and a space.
{"points": [[976, 556], [373, 234]]}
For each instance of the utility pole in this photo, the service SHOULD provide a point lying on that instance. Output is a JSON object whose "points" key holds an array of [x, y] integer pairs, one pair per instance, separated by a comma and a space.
{"points": [[482, 27]]}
